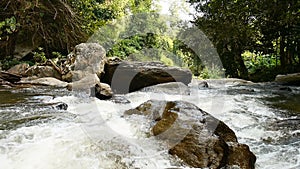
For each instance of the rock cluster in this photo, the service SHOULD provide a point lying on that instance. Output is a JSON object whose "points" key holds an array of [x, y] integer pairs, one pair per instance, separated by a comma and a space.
{"points": [[88, 69]]}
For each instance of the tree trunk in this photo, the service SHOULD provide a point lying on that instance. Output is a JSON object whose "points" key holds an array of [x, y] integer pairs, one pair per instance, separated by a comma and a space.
{"points": [[8, 46], [229, 64], [282, 53], [243, 72]]}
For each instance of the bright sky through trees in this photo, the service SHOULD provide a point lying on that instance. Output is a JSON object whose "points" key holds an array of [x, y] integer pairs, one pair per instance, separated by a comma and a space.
{"points": [[180, 7]]}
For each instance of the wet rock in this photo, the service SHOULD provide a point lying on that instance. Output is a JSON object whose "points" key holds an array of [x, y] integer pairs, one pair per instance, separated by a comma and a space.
{"points": [[125, 77], [102, 91], [59, 106], [43, 71], [67, 77], [285, 88], [119, 99], [19, 69], [223, 82], [194, 136], [290, 123], [240, 155], [203, 84], [177, 88], [46, 81], [289, 79], [9, 77], [5, 83]]}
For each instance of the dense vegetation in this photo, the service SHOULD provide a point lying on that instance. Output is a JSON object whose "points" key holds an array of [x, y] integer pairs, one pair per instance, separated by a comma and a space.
{"points": [[265, 34], [255, 39]]}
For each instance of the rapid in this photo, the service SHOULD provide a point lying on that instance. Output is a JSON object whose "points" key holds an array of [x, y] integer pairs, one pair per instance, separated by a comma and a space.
{"points": [[94, 134]]}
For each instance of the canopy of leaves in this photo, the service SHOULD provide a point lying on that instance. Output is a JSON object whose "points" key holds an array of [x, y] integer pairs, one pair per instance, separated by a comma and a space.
{"points": [[270, 27], [58, 25]]}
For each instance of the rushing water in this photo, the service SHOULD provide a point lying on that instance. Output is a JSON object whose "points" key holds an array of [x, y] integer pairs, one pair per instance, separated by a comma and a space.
{"points": [[94, 134]]}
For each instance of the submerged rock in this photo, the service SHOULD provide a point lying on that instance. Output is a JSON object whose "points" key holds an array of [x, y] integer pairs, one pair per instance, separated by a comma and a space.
{"points": [[125, 77], [58, 106], [177, 88], [203, 84], [194, 136], [120, 99], [223, 82]]}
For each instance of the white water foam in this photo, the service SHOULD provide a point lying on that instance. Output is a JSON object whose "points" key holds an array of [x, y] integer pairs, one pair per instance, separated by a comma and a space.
{"points": [[101, 137]]}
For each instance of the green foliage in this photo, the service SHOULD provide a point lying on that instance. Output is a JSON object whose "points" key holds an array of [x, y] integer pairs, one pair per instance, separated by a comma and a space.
{"points": [[11, 61], [58, 55], [39, 56], [225, 24], [269, 27], [210, 73], [278, 23], [96, 13], [257, 61], [58, 25], [7, 27], [166, 60]]}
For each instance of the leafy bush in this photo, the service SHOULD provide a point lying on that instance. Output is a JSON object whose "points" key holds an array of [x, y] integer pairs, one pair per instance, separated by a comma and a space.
{"points": [[211, 73], [39, 56], [257, 61], [7, 27], [11, 61]]}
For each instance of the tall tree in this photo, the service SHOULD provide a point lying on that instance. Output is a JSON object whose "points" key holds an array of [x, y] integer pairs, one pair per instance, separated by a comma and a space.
{"points": [[279, 24], [270, 27], [58, 25], [226, 23], [50, 23]]}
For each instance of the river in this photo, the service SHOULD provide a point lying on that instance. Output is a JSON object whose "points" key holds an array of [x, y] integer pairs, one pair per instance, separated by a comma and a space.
{"points": [[94, 134]]}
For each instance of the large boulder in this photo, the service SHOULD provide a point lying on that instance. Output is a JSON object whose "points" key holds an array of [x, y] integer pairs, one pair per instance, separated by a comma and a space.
{"points": [[289, 79], [125, 77], [193, 135], [87, 58]]}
